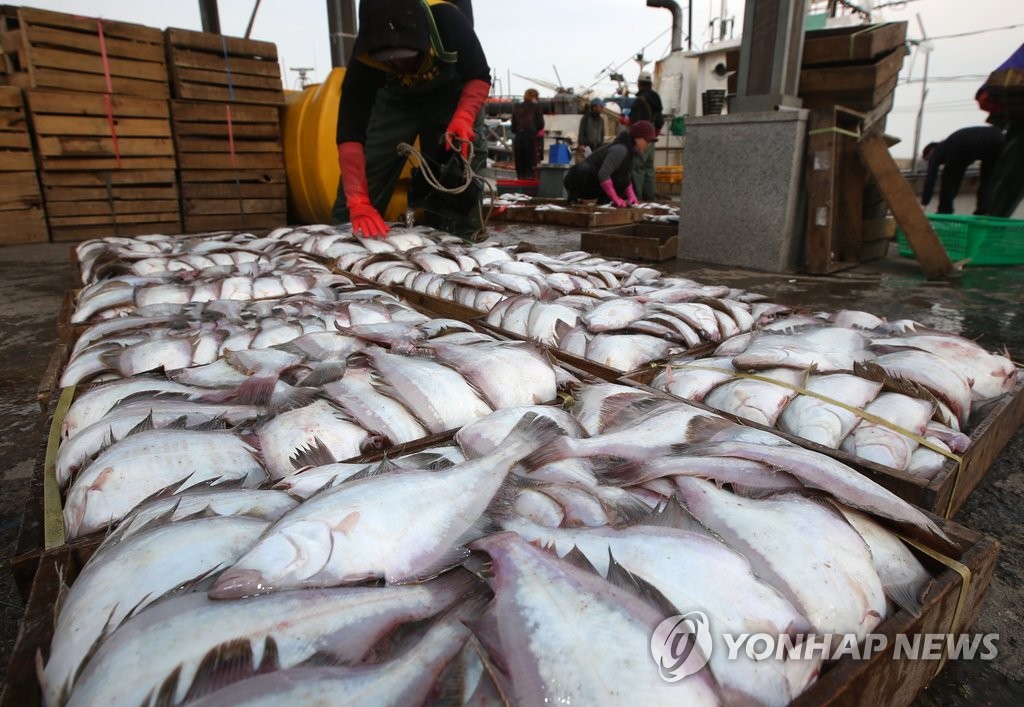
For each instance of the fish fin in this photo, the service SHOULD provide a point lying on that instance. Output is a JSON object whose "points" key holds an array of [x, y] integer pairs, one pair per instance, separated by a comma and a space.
{"points": [[151, 395], [626, 510], [315, 454], [178, 423], [553, 451], [622, 578], [62, 592], [383, 467], [502, 505], [614, 416], [322, 373], [755, 492], [144, 426], [257, 389], [228, 663], [214, 424], [292, 348], [704, 428], [669, 515], [627, 473], [906, 595], [287, 397]]}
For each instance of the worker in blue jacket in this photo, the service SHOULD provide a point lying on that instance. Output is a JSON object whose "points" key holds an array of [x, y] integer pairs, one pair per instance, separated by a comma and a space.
{"points": [[955, 154], [417, 70]]}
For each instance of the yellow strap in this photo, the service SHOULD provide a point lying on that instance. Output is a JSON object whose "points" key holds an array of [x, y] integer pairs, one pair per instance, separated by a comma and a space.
{"points": [[965, 575], [839, 131], [853, 37], [860, 412], [53, 513]]}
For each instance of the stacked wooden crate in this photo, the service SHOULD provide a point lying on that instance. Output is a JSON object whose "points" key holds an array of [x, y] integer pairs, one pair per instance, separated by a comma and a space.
{"points": [[21, 204], [97, 97], [227, 131]]}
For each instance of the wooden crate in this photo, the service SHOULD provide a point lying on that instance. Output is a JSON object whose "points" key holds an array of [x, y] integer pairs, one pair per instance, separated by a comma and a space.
{"points": [[212, 67], [951, 605], [855, 44], [228, 199], [226, 136], [56, 50], [948, 490], [579, 215], [82, 205], [88, 131], [639, 241], [15, 142], [21, 203], [860, 87], [835, 180]]}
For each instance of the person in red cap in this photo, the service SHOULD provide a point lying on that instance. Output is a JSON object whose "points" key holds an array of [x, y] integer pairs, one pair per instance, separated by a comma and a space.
{"points": [[605, 174], [417, 70]]}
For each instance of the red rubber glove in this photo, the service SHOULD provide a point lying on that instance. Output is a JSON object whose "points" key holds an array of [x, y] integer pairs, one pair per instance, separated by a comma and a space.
{"points": [[365, 219], [609, 189], [631, 195], [474, 93]]}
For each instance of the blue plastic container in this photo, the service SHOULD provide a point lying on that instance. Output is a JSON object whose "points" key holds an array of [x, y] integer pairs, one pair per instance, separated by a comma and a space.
{"points": [[559, 154]]}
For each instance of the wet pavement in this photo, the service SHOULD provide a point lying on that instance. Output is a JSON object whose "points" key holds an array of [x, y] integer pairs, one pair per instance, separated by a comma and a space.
{"points": [[982, 303]]}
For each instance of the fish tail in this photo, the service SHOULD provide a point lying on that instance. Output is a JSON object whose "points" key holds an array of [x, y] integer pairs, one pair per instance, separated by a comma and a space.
{"points": [[255, 390], [628, 473], [552, 451], [532, 433]]}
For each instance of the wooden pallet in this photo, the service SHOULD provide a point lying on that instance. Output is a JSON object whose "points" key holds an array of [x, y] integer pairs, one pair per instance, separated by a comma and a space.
{"points": [[77, 131], [126, 202], [21, 203], [860, 87], [579, 215], [226, 199], [15, 142], [56, 50], [227, 136], [211, 67], [639, 241], [855, 44]]}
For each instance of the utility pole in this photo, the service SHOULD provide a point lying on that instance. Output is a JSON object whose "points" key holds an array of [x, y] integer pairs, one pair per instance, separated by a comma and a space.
{"points": [[925, 46]]}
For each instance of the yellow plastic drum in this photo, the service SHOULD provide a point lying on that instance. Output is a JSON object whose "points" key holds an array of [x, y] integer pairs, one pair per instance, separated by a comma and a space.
{"points": [[309, 126]]}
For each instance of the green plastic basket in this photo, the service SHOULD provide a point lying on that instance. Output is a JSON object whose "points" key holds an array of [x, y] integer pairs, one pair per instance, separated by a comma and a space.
{"points": [[983, 240]]}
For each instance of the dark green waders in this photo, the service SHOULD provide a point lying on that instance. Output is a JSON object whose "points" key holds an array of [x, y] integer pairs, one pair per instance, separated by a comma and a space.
{"points": [[400, 114]]}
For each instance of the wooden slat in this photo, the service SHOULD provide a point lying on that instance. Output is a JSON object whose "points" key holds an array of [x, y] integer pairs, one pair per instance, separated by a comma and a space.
{"points": [[19, 190], [200, 207], [109, 163], [15, 141], [17, 161], [215, 43], [26, 225], [186, 59], [95, 125], [224, 161], [206, 145], [905, 207], [93, 83], [216, 113], [109, 219], [76, 194], [203, 92], [99, 179], [89, 43], [111, 28], [223, 78], [10, 97], [63, 103], [121, 207], [76, 146], [270, 176], [76, 233], [93, 64], [857, 78], [240, 131], [231, 190]]}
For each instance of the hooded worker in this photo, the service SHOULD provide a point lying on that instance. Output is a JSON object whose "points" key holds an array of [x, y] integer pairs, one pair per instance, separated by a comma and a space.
{"points": [[417, 70], [605, 174]]}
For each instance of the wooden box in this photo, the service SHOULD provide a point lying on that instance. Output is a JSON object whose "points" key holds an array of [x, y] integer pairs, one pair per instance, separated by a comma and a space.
{"points": [[212, 67], [639, 241], [854, 44], [951, 606], [948, 490], [88, 131], [55, 50], [578, 215], [92, 204], [233, 199], [21, 203], [860, 87]]}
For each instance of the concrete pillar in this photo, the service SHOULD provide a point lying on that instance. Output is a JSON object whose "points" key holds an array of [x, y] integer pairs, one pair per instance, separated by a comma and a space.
{"points": [[770, 55], [741, 202]]}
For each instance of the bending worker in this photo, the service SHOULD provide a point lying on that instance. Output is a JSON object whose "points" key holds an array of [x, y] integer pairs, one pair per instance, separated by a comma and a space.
{"points": [[417, 70], [605, 174], [956, 153]]}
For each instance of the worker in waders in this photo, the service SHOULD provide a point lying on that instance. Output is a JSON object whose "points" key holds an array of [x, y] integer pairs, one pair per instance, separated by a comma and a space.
{"points": [[417, 70]]}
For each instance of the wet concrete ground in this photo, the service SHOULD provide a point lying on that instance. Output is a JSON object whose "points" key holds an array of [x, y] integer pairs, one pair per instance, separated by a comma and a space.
{"points": [[981, 303]]}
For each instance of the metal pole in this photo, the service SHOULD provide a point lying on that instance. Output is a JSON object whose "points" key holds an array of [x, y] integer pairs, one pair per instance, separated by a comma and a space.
{"points": [[924, 46], [341, 23], [208, 16], [252, 18]]}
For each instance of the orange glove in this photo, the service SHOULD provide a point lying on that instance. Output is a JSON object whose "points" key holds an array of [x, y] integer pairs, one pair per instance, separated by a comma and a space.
{"points": [[474, 93], [365, 219]]}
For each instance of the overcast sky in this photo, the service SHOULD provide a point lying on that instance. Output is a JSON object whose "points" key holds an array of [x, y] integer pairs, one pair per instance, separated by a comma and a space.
{"points": [[576, 41]]}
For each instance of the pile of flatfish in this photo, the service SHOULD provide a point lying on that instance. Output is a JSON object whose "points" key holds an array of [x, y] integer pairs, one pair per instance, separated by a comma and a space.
{"points": [[895, 393], [427, 578]]}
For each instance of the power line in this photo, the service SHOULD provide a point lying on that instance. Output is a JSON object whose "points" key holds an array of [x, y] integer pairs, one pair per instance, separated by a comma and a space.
{"points": [[975, 32]]}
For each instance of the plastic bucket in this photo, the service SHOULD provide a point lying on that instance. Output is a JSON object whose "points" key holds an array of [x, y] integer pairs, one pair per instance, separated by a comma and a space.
{"points": [[559, 154]]}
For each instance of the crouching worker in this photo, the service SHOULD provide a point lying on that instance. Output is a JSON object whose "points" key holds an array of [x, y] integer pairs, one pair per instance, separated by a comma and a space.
{"points": [[417, 70], [605, 174]]}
